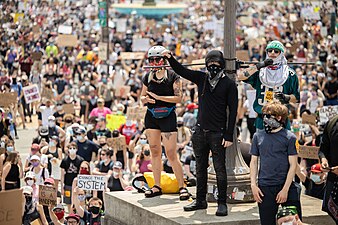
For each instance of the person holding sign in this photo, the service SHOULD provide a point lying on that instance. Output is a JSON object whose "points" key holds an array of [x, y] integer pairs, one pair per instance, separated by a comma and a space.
{"points": [[272, 79], [161, 90]]}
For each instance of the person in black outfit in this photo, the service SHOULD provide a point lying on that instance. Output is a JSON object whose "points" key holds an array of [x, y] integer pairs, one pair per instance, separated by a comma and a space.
{"points": [[216, 93], [161, 90]]}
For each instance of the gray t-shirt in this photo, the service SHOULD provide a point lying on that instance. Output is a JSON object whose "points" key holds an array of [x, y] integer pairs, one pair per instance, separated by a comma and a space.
{"points": [[85, 90], [273, 151]]}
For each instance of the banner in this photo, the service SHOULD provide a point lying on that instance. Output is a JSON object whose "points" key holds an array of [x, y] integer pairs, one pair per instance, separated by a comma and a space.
{"points": [[6, 99], [115, 121], [47, 195], [11, 207], [327, 112], [118, 143], [308, 152], [31, 93], [91, 182], [136, 113]]}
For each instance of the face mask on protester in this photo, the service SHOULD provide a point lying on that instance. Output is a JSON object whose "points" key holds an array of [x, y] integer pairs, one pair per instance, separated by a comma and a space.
{"points": [[86, 83], [270, 123], [81, 197], [30, 182], [29, 199], [315, 178], [72, 151], [60, 214], [84, 171], [115, 174], [143, 141], [35, 164], [51, 144], [94, 209], [51, 124], [214, 70], [79, 138], [2, 144], [59, 108], [10, 148]]}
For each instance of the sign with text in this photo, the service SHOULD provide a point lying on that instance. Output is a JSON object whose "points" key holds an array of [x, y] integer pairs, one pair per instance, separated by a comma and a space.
{"points": [[117, 143], [64, 29], [47, 195], [308, 152], [327, 112], [68, 108], [31, 93], [6, 99], [91, 182], [114, 121], [242, 55], [66, 40], [103, 51], [141, 44], [11, 207], [136, 113], [308, 119]]}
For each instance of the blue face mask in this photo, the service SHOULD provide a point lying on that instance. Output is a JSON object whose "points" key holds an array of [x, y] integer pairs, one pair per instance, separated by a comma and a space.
{"points": [[315, 178], [143, 141], [51, 144], [81, 197], [79, 138], [10, 148]]}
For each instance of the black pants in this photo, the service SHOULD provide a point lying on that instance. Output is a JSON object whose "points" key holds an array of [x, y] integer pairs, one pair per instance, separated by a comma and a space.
{"points": [[251, 126], [269, 208], [203, 142]]}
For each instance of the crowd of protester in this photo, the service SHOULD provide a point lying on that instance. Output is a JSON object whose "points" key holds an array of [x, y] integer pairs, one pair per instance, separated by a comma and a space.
{"points": [[69, 144]]}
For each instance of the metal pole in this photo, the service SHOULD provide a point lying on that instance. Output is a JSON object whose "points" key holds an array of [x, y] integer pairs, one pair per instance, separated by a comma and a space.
{"points": [[107, 61], [237, 170]]}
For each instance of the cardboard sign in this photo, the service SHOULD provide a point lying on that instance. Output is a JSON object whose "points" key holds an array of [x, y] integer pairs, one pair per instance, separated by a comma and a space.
{"points": [[47, 195], [141, 44], [64, 29], [327, 112], [115, 121], [242, 55], [308, 119], [31, 93], [122, 91], [308, 152], [47, 93], [136, 113], [103, 51], [298, 26], [118, 143], [132, 55], [246, 20], [91, 182], [66, 40], [6, 99], [11, 207], [36, 56], [68, 108]]}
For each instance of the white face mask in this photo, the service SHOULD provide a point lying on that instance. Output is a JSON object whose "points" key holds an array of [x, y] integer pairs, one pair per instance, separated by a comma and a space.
{"points": [[79, 138], [115, 174], [51, 124], [290, 222], [315, 178], [30, 182], [72, 151], [86, 83]]}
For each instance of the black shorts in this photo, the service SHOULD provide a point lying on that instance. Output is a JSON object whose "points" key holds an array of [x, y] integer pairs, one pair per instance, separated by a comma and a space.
{"points": [[167, 124]]}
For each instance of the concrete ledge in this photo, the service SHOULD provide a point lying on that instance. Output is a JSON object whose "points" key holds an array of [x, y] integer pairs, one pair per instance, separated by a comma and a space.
{"points": [[131, 208]]}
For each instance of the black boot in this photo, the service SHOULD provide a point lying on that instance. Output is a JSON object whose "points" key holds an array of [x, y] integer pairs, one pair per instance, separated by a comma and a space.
{"points": [[222, 210], [195, 205]]}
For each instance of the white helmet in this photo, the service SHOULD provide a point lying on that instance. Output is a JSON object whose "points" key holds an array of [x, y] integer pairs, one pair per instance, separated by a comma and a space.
{"points": [[156, 51]]}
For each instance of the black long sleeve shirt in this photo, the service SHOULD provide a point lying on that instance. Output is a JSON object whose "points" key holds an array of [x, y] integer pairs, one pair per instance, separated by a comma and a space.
{"points": [[212, 113]]}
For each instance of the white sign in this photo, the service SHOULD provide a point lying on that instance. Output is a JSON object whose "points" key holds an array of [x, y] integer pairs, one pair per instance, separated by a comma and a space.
{"points": [[141, 44], [310, 12], [121, 25], [327, 112], [103, 51], [64, 29], [91, 182], [31, 93]]}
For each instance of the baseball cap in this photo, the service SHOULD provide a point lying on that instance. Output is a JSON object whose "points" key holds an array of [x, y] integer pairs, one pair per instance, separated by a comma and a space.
{"points": [[27, 190], [43, 131], [51, 118], [58, 206], [117, 165], [192, 106], [34, 157], [49, 180], [316, 168], [30, 175], [35, 147], [80, 130], [74, 216]]}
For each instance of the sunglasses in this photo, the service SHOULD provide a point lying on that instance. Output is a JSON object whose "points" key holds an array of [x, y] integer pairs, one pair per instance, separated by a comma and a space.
{"points": [[154, 59], [103, 154], [277, 51]]}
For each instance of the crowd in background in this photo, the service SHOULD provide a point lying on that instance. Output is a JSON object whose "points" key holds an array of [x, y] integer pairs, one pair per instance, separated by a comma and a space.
{"points": [[78, 143]]}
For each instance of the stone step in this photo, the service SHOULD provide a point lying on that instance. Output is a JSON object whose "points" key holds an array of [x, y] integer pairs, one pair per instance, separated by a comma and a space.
{"points": [[131, 208]]}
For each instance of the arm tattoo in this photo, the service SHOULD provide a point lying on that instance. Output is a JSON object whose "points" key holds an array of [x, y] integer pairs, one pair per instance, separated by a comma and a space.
{"points": [[167, 135], [177, 89]]}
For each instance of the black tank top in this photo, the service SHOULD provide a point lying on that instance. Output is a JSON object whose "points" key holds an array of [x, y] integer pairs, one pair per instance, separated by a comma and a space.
{"points": [[28, 218], [6, 155], [13, 173], [114, 184], [164, 88]]}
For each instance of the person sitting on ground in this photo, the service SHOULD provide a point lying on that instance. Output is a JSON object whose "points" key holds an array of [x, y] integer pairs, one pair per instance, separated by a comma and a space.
{"points": [[116, 181], [288, 215]]}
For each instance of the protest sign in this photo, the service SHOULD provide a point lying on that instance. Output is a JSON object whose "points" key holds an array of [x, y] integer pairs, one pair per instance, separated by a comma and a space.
{"points": [[31, 93], [242, 55], [91, 182], [66, 40], [47, 93], [141, 44], [293, 17], [11, 207], [298, 26], [136, 113], [122, 91], [308, 152], [121, 25], [323, 31], [47, 195], [69, 108], [18, 16], [246, 20], [308, 119], [327, 112], [117, 143], [310, 12], [188, 34], [115, 121], [6, 99], [36, 56], [103, 51], [132, 55], [64, 29]]}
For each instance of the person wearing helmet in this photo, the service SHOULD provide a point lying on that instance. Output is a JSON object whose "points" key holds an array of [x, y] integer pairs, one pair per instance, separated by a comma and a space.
{"points": [[161, 90], [213, 131], [272, 79]]}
